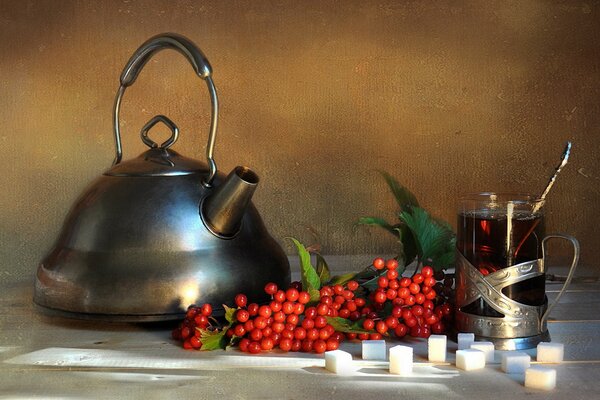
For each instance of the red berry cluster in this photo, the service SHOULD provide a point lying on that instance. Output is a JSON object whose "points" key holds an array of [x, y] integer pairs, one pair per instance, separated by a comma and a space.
{"points": [[412, 302], [285, 323], [195, 317]]}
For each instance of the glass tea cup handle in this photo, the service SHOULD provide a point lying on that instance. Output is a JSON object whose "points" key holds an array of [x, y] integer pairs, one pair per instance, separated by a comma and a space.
{"points": [[574, 263]]}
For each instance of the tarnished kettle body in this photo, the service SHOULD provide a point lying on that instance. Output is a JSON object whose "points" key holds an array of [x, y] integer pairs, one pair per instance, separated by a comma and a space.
{"points": [[159, 232]]}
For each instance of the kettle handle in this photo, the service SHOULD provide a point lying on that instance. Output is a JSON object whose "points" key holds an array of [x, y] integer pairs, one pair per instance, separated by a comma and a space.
{"points": [[201, 67]]}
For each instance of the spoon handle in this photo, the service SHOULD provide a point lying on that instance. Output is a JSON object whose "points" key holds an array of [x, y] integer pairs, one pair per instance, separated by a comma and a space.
{"points": [[563, 162]]}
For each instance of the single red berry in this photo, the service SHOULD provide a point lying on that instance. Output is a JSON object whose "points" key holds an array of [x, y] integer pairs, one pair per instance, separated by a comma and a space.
{"points": [[260, 322], [267, 343], [332, 344], [255, 334], [271, 288], [382, 282], [239, 330], [310, 312], [241, 300], [429, 281], [312, 334], [379, 297], [320, 321], [391, 264], [308, 323], [322, 309], [351, 336], [303, 297], [201, 321], [265, 311], [285, 344], [287, 307], [381, 327], [419, 298], [206, 310], [427, 271], [254, 347], [368, 324], [379, 263], [253, 309], [392, 274], [401, 330], [344, 313], [414, 288], [292, 294], [296, 345], [307, 345], [418, 278], [319, 346], [352, 285], [279, 296], [375, 336], [278, 327], [185, 332], [298, 308], [187, 345], [391, 294], [195, 342], [405, 282], [293, 319], [327, 300], [431, 295], [243, 345], [242, 315]]}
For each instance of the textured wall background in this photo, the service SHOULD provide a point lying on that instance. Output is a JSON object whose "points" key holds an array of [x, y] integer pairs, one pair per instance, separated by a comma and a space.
{"points": [[447, 96]]}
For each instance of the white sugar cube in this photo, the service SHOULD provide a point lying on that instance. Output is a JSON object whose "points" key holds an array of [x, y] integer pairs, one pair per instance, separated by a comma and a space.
{"points": [[401, 360], [436, 348], [339, 362], [550, 352], [465, 340], [470, 359], [373, 349], [487, 347], [515, 362], [538, 377]]}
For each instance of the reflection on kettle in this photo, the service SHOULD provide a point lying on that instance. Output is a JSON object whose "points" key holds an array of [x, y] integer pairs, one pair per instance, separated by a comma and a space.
{"points": [[161, 231]]}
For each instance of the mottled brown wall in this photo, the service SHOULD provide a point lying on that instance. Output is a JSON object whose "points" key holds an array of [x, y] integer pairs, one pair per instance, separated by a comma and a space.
{"points": [[448, 96]]}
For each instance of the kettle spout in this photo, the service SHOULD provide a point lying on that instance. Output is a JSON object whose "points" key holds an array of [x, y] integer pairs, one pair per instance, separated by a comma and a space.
{"points": [[223, 210]]}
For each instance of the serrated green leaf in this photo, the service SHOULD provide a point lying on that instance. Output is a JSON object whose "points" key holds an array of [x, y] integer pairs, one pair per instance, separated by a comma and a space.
{"points": [[214, 340], [229, 314], [435, 241], [345, 325], [403, 196], [309, 278], [322, 269]]}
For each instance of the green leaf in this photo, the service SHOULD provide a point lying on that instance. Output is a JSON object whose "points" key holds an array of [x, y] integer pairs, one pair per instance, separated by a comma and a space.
{"points": [[229, 314], [371, 284], [403, 196], [322, 269], [345, 325], [435, 240], [409, 246], [214, 340], [310, 280], [380, 222], [342, 279]]}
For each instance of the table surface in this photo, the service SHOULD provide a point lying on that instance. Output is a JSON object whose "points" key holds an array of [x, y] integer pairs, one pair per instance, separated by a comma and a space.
{"points": [[52, 357]]}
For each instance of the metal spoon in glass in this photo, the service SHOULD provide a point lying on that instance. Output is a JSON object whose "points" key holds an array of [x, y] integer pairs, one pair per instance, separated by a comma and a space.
{"points": [[563, 162]]}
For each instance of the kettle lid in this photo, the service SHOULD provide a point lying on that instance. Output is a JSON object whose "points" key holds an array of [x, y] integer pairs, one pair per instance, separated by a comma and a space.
{"points": [[159, 160]]}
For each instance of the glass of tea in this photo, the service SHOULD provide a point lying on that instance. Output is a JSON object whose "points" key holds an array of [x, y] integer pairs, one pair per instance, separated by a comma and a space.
{"points": [[499, 230]]}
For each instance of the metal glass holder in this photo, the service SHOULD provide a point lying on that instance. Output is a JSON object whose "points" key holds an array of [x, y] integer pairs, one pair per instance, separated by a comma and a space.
{"points": [[523, 326]]}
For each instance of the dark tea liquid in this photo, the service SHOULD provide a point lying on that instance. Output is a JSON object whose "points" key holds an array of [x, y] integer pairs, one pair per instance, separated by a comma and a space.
{"points": [[490, 243]]}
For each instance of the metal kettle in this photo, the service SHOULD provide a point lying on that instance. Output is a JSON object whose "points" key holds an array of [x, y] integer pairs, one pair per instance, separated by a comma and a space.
{"points": [[161, 231]]}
